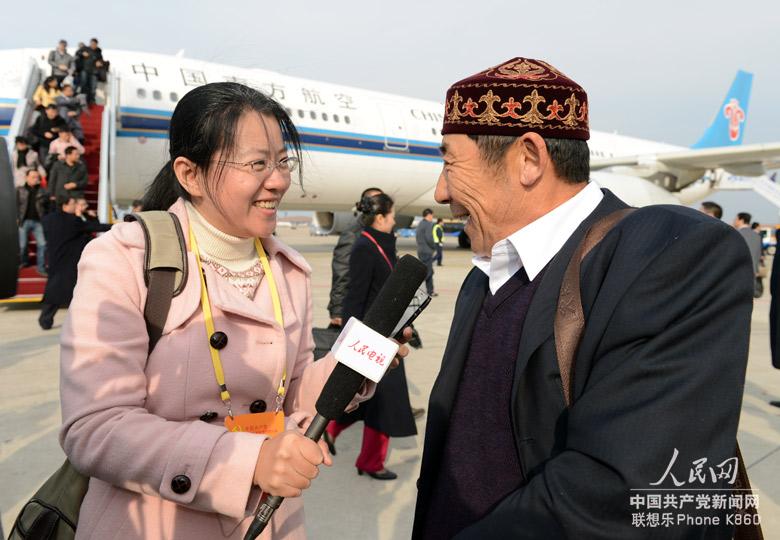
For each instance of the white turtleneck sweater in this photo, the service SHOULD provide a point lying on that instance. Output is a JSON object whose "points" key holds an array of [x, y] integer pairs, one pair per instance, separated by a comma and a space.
{"points": [[233, 258]]}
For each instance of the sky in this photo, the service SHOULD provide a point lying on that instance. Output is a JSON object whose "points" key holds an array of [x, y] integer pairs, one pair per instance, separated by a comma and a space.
{"points": [[656, 69]]}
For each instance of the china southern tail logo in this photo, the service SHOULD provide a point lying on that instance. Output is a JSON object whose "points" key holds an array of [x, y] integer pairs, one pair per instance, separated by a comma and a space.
{"points": [[736, 116]]}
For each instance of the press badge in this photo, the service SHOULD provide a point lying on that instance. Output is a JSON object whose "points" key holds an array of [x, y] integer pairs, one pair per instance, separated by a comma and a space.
{"points": [[265, 423]]}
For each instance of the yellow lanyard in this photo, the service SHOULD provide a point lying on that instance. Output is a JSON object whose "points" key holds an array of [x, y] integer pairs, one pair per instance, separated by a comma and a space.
{"points": [[209, 320]]}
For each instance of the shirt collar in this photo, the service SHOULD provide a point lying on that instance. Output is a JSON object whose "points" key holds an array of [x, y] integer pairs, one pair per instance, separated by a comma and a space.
{"points": [[534, 245]]}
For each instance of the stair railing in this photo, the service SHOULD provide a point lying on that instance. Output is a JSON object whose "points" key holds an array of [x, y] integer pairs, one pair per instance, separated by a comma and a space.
{"points": [[24, 107], [106, 181]]}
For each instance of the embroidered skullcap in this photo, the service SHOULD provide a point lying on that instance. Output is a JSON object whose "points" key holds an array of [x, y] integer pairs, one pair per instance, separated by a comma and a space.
{"points": [[518, 96]]}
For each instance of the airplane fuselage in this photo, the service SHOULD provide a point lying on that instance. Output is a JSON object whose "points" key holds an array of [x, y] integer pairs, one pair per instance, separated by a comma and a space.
{"points": [[352, 138]]}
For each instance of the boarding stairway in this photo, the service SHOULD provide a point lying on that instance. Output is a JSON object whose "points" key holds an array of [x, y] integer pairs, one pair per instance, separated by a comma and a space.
{"points": [[98, 123], [767, 189]]}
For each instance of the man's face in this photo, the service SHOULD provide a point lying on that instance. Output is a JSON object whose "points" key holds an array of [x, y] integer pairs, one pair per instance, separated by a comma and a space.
{"points": [[21, 146], [72, 157], [475, 190], [33, 178], [81, 206], [68, 91], [93, 44], [69, 207], [51, 113], [64, 135]]}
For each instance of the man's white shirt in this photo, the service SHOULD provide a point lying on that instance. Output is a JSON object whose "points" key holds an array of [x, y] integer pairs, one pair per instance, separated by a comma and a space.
{"points": [[534, 245]]}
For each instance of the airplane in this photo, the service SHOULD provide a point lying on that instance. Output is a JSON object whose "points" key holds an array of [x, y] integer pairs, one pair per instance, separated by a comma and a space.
{"points": [[352, 138]]}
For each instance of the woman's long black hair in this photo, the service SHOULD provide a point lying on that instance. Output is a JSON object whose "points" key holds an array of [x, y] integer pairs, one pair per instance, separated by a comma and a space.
{"points": [[205, 123]]}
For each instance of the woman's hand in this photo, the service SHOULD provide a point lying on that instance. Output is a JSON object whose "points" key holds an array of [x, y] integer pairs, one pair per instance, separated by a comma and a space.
{"points": [[403, 350], [288, 462]]}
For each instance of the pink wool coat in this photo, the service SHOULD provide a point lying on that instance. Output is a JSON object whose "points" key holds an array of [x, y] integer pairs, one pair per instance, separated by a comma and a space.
{"points": [[132, 424]]}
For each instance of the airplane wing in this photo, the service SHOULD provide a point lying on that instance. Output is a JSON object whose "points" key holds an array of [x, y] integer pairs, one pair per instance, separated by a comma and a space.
{"points": [[746, 160]]}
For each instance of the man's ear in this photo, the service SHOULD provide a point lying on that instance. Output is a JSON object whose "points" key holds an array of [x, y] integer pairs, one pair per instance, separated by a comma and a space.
{"points": [[531, 154], [187, 174]]}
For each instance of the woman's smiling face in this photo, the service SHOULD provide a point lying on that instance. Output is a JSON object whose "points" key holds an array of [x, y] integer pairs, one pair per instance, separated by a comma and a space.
{"points": [[236, 198]]}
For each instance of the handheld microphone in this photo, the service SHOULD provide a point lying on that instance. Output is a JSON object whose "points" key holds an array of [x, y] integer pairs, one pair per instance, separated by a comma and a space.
{"points": [[383, 315]]}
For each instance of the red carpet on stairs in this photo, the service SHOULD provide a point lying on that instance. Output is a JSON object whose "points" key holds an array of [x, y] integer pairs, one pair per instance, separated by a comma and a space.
{"points": [[30, 283]]}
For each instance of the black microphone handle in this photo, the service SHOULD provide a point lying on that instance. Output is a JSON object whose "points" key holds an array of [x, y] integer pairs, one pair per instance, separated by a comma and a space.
{"points": [[271, 503], [382, 316]]}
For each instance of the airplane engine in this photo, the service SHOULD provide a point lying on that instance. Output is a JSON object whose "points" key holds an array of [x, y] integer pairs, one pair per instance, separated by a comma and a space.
{"points": [[336, 222], [332, 222]]}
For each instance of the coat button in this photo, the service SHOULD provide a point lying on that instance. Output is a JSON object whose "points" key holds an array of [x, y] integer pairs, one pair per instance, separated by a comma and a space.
{"points": [[180, 484], [218, 340], [258, 406], [208, 416]]}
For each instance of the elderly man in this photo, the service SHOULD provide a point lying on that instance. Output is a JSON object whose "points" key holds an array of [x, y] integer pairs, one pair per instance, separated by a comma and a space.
{"points": [[660, 366]]}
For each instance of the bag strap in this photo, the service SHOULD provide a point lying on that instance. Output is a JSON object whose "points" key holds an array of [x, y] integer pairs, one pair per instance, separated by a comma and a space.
{"points": [[569, 318], [381, 251], [570, 323], [165, 267]]}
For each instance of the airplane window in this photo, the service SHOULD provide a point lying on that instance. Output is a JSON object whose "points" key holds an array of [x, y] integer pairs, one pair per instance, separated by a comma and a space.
{"points": [[433, 130], [346, 119], [313, 115], [336, 118], [174, 97], [300, 113], [325, 116], [157, 95], [141, 93], [289, 111]]}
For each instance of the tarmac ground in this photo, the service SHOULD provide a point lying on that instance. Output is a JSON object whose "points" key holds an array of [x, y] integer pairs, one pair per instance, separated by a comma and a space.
{"points": [[339, 504]]}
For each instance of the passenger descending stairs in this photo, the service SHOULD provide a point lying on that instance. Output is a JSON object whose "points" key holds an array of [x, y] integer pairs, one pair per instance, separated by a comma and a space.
{"points": [[31, 284]]}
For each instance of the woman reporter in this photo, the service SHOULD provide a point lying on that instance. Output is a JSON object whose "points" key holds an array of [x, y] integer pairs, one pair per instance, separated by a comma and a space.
{"points": [[150, 428]]}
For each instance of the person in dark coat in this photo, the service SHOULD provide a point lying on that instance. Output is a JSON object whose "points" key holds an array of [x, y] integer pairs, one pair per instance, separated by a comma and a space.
{"points": [[660, 365], [68, 177], [44, 130], [66, 237], [32, 202], [91, 62], [426, 247], [774, 317], [388, 413], [340, 263]]}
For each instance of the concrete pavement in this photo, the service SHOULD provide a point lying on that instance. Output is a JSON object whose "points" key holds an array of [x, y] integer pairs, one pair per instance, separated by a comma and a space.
{"points": [[339, 504]]}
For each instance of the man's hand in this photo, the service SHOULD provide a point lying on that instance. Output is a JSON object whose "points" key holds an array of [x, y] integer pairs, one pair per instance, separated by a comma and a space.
{"points": [[48, 135], [63, 67], [72, 113], [70, 185], [335, 321]]}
